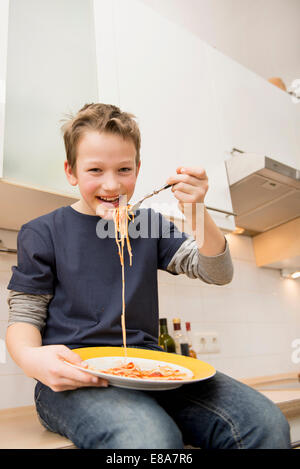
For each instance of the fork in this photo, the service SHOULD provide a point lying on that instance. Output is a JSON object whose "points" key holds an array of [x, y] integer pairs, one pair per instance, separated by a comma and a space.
{"points": [[156, 191]]}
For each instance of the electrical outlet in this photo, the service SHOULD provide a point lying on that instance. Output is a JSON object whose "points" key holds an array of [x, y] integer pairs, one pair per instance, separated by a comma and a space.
{"points": [[207, 342]]}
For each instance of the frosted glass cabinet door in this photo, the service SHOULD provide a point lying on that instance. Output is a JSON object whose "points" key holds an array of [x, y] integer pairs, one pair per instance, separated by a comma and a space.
{"points": [[159, 73], [4, 6], [51, 72]]}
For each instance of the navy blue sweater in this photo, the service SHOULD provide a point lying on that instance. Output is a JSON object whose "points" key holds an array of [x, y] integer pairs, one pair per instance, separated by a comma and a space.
{"points": [[66, 254]]}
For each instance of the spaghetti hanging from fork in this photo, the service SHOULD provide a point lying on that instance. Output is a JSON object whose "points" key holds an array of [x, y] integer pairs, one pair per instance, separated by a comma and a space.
{"points": [[121, 216]]}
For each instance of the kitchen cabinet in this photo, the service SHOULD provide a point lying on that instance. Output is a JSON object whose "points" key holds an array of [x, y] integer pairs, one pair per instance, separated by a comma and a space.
{"points": [[193, 103], [47, 70], [51, 72], [159, 71], [255, 116]]}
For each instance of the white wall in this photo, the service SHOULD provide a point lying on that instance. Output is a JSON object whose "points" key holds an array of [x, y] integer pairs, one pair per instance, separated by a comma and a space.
{"points": [[263, 35], [257, 317]]}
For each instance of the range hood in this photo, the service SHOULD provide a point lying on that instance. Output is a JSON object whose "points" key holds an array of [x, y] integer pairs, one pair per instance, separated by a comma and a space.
{"points": [[264, 192]]}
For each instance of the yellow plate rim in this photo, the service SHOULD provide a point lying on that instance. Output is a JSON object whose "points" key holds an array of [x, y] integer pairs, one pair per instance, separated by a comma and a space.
{"points": [[200, 369]]}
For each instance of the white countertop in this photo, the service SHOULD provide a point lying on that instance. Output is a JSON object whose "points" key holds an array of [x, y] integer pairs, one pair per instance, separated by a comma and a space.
{"points": [[283, 390]]}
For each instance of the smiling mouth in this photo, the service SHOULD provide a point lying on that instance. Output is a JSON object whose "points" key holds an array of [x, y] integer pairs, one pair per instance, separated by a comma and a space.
{"points": [[108, 199], [109, 202]]}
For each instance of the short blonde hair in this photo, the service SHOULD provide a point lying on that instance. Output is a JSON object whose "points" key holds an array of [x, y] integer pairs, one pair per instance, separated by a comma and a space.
{"points": [[103, 118]]}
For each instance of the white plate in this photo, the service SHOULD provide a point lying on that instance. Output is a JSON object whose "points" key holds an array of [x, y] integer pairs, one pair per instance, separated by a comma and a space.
{"points": [[102, 363]]}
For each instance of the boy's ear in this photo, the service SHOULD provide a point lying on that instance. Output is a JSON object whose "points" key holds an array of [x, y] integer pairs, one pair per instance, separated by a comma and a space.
{"points": [[138, 168], [70, 174]]}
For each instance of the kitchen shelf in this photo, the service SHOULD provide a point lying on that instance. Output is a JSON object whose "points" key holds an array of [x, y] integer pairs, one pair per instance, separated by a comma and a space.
{"points": [[20, 203]]}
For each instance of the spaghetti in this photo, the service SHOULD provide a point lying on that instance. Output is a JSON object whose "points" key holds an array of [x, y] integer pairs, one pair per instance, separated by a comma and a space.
{"points": [[122, 214], [130, 370]]}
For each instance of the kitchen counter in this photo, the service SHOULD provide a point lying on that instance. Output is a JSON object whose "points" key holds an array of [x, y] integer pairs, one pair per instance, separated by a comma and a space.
{"points": [[284, 391], [21, 429], [287, 400]]}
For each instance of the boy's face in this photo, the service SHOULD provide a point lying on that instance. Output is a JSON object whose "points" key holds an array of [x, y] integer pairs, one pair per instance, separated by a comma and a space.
{"points": [[105, 168]]}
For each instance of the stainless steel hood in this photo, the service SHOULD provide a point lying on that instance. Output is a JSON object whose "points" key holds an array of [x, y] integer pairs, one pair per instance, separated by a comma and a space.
{"points": [[264, 192]]}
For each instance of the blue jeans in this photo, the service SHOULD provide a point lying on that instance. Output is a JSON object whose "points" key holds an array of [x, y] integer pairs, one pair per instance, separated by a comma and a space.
{"points": [[217, 413]]}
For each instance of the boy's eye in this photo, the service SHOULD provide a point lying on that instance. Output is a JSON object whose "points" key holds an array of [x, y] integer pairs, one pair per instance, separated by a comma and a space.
{"points": [[97, 170]]}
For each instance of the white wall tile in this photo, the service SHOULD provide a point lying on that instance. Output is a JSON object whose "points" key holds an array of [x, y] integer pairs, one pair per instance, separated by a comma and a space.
{"points": [[7, 366], [221, 305], [245, 275], [166, 297], [265, 307], [16, 390], [183, 279], [4, 280], [164, 277], [289, 296], [188, 302], [244, 367]]}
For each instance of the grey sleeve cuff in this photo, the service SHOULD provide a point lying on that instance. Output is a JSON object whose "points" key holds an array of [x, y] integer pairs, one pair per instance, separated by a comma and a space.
{"points": [[24, 307], [216, 270]]}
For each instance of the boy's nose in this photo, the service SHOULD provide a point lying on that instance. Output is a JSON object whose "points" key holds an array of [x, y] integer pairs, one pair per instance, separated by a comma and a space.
{"points": [[111, 184]]}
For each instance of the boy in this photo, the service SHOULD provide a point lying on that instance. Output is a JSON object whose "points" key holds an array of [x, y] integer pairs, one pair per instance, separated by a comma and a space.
{"points": [[66, 293]]}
